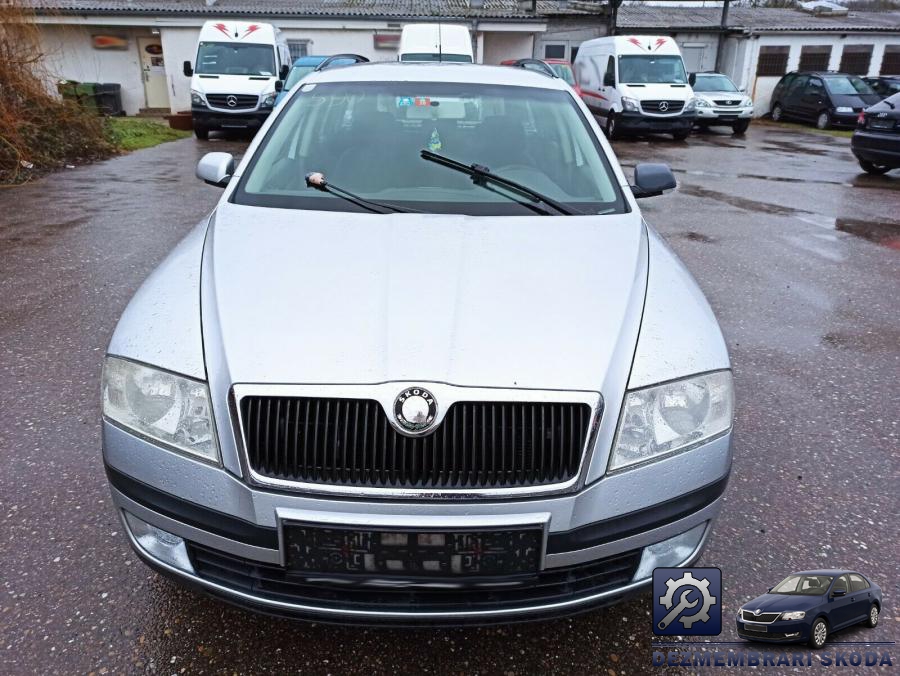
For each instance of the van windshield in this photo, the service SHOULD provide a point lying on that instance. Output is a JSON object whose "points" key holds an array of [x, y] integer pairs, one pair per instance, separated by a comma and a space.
{"points": [[367, 138], [651, 69], [225, 58]]}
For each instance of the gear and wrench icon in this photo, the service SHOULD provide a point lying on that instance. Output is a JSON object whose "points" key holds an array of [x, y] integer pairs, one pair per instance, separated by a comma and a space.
{"points": [[701, 585]]}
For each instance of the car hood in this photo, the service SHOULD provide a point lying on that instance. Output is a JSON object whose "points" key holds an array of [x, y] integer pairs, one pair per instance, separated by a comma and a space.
{"points": [[328, 297], [233, 84], [657, 90], [770, 603], [731, 96], [854, 100]]}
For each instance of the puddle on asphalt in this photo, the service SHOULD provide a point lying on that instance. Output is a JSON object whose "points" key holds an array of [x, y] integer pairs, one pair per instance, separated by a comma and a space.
{"points": [[865, 341], [696, 237], [884, 234]]}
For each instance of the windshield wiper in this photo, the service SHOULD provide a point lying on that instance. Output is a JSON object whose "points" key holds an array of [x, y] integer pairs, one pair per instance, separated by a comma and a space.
{"points": [[317, 180], [481, 175]]}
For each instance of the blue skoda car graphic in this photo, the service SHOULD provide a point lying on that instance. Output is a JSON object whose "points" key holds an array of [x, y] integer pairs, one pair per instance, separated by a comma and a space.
{"points": [[810, 606]]}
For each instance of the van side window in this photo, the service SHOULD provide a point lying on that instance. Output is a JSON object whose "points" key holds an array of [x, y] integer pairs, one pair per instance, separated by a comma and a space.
{"points": [[609, 79]]}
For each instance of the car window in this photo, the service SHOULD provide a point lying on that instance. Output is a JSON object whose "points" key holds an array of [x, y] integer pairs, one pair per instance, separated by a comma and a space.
{"points": [[814, 88], [610, 75], [796, 85], [651, 69], [857, 582], [713, 83], [297, 73], [564, 71], [842, 583], [366, 137], [807, 585], [848, 85], [221, 58]]}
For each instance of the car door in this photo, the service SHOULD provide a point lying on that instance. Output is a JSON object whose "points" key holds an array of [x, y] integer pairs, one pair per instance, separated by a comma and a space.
{"points": [[840, 608], [790, 99], [813, 99], [860, 597]]}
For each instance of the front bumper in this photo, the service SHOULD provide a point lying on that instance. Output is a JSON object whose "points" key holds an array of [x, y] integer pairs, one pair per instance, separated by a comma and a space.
{"points": [[844, 119], [793, 631], [234, 535], [632, 121], [878, 148], [723, 115], [213, 119]]}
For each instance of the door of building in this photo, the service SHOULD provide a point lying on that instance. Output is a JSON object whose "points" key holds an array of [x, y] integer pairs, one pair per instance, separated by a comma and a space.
{"points": [[693, 57], [153, 72]]}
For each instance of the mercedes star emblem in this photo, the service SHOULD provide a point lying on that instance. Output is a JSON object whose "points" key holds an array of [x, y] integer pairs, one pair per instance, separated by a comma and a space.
{"points": [[663, 106], [415, 409], [231, 100]]}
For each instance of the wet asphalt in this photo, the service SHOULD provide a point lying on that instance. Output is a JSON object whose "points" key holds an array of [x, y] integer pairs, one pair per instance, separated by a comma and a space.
{"points": [[797, 250]]}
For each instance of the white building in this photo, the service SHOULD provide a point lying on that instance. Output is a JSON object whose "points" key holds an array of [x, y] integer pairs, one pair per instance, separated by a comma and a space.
{"points": [[759, 45], [142, 44]]}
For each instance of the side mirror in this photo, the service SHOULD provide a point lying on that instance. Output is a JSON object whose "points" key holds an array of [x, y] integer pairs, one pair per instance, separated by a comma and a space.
{"points": [[609, 80], [216, 169], [283, 73], [651, 180], [188, 70], [769, 590], [838, 591], [279, 85], [692, 79]]}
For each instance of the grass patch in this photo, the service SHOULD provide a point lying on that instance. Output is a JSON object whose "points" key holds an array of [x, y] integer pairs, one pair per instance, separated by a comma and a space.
{"points": [[842, 133], [134, 133]]}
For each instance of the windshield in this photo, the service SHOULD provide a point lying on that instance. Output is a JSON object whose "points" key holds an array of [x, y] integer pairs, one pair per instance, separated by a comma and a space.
{"points": [[297, 73], [564, 71], [713, 83], [804, 585], [848, 85], [457, 58], [225, 58], [651, 69], [367, 138]]}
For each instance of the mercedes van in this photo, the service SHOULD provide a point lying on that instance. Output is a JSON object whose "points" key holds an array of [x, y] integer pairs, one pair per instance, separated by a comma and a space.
{"points": [[435, 42], [233, 81], [636, 83]]}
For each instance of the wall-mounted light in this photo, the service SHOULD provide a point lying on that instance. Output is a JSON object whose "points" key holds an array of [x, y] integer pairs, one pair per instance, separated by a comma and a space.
{"points": [[154, 31]]}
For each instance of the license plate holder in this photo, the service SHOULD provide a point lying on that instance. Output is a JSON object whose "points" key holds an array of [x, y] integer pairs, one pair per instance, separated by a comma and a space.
{"points": [[406, 552], [759, 628], [875, 123]]}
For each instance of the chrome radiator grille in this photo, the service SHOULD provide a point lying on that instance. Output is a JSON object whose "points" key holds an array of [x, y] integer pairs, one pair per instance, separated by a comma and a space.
{"points": [[351, 442]]}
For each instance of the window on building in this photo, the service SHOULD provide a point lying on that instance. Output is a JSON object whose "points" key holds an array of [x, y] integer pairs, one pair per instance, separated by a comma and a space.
{"points": [[890, 64], [815, 57], [772, 60], [298, 48], [855, 59], [554, 51]]}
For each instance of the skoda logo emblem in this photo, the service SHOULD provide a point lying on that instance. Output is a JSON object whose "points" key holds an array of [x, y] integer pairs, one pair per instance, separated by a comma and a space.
{"points": [[757, 611], [415, 409], [663, 106], [231, 100]]}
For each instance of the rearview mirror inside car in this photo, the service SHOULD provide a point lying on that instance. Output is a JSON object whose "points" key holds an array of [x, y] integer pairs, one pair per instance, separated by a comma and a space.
{"points": [[651, 180], [188, 70], [216, 169]]}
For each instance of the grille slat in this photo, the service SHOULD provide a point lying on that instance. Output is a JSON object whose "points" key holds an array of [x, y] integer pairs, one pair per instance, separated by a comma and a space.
{"points": [[656, 106], [351, 442], [241, 101]]}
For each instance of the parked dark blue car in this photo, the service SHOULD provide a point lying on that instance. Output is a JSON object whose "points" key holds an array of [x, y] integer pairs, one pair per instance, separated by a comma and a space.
{"points": [[809, 606]]}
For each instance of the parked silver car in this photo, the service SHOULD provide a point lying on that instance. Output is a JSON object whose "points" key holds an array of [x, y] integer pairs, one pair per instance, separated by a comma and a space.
{"points": [[425, 361]]}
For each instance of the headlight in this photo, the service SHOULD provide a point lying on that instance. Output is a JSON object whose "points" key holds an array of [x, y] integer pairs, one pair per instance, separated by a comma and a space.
{"points": [[843, 109], [171, 409], [269, 100], [797, 615], [692, 104], [700, 103], [665, 419], [747, 101], [197, 98], [630, 104]]}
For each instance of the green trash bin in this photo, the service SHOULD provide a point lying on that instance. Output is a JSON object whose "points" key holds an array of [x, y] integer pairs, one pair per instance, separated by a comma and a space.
{"points": [[82, 93]]}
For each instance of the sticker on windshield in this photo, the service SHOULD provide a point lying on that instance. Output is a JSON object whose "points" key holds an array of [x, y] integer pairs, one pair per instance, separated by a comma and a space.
{"points": [[403, 101], [434, 143]]}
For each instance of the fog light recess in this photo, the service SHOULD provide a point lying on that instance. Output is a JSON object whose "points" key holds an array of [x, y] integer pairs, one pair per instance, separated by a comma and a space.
{"points": [[159, 544], [670, 553]]}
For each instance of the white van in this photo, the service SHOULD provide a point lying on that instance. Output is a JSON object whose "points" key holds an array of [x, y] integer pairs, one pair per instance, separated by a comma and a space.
{"points": [[637, 83], [233, 82], [435, 42]]}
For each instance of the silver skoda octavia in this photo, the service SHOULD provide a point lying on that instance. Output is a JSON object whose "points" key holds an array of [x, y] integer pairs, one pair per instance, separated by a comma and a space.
{"points": [[424, 362]]}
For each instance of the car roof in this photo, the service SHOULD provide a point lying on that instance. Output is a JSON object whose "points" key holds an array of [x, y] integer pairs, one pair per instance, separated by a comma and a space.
{"points": [[463, 73], [825, 571]]}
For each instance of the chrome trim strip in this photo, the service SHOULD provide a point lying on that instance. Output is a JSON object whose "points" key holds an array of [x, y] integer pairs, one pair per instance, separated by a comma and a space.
{"points": [[375, 614], [765, 612], [421, 522], [445, 395]]}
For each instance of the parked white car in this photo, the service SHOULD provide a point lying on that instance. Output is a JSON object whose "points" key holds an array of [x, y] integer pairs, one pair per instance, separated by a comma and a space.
{"points": [[636, 83], [720, 103]]}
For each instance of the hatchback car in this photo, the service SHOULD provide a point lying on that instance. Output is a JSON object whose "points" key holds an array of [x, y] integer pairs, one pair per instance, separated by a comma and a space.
{"points": [[884, 85], [424, 362], [720, 103], [810, 606], [876, 141], [299, 70], [827, 99]]}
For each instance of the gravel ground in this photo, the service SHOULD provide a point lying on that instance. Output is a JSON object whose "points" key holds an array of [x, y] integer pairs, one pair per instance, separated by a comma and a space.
{"points": [[797, 250]]}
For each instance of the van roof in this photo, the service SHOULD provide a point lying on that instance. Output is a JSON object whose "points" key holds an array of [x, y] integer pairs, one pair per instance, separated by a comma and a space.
{"points": [[636, 44], [413, 71], [252, 32]]}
